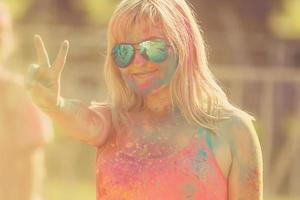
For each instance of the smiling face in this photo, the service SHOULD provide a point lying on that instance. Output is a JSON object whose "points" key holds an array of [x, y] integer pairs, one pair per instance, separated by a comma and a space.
{"points": [[144, 76]]}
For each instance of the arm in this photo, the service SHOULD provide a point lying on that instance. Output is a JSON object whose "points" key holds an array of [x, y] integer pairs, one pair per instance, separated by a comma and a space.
{"points": [[245, 181], [91, 125]]}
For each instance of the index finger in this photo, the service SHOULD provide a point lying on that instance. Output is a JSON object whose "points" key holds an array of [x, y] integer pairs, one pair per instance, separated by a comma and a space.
{"points": [[42, 55]]}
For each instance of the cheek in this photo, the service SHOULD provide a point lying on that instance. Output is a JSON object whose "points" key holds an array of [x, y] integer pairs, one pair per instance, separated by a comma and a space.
{"points": [[147, 84], [141, 86], [169, 68], [127, 77]]}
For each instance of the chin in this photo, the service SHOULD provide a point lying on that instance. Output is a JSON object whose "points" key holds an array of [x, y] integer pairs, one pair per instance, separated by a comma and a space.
{"points": [[149, 90]]}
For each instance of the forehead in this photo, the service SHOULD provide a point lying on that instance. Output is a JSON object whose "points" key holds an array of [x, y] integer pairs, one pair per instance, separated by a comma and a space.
{"points": [[142, 31]]}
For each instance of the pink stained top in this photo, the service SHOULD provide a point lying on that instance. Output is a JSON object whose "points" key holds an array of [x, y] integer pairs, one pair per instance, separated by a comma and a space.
{"points": [[191, 173]]}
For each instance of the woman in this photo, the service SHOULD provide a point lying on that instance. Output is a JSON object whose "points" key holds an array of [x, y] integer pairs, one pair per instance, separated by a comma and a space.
{"points": [[167, 130]]}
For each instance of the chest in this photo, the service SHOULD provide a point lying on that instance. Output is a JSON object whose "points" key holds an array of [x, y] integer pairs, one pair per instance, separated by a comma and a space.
{"points": [[145, 138]]}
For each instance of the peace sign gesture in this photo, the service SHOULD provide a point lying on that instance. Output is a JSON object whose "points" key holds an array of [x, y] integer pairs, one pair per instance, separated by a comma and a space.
{"points": [[43, 79]]}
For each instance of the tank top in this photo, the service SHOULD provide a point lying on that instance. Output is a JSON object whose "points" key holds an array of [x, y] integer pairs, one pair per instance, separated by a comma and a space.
{"points": [[191, 173]]}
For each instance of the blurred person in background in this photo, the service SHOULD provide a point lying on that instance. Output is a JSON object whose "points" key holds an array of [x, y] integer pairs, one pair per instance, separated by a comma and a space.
{"points": [[24, 129], [167, 130]]}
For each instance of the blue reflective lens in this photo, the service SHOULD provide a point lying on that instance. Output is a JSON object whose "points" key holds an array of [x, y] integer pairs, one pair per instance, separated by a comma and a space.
{"points": [[122, 54], [155, 50]]}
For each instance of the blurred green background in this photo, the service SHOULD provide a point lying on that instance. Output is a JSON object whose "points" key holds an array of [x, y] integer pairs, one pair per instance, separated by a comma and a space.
{"points": [[254, 49]]}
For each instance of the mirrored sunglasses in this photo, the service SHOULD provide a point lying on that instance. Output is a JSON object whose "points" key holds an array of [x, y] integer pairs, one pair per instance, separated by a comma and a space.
{"points": [[154, 50]]}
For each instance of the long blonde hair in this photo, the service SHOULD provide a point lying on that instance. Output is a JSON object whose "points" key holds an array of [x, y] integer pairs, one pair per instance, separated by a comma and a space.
{"points": [[193, 88]]}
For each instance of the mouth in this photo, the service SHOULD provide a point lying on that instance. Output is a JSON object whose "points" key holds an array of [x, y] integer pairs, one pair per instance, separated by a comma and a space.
{"points": [[145, 74]]}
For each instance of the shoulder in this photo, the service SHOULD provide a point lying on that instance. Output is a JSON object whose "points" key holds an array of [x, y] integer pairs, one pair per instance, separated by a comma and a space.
{"points": [[239, 131], [237, 123], [245, 176]]}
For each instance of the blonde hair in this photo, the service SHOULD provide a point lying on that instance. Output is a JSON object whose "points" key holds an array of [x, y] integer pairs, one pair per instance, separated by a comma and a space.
{"points": [[193, 88]]}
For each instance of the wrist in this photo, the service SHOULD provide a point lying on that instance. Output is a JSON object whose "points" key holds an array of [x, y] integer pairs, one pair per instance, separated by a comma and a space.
{"points": [[60, 103]]}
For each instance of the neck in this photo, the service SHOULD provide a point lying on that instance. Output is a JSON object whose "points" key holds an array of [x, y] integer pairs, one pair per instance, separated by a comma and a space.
{"points": [[158, 102]]}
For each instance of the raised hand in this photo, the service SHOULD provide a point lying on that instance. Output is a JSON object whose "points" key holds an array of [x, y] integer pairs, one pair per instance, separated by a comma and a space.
{"points": [[43, 79]]}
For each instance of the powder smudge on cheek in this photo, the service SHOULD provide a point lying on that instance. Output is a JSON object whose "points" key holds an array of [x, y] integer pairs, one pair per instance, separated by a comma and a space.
{"points": [[169, 68], [146, 85]]}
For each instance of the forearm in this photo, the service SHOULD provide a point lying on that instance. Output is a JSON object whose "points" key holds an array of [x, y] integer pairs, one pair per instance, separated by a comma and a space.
{"points": [[79, 121]]}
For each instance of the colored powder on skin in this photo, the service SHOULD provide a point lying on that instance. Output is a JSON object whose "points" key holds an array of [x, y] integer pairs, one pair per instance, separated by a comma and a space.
{"points": [[156, 81]]}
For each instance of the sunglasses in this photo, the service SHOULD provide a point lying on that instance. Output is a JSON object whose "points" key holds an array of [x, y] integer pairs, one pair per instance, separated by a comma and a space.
{"points": [[154, 50]]}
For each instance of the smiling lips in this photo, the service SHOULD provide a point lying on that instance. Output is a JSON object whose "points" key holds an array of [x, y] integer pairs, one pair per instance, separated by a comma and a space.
{"points": [[145, 74]]}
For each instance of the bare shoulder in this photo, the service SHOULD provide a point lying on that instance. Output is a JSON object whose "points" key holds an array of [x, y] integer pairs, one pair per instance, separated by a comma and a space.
{"points": [[239, 131], [236, 125], [245, 177]]}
